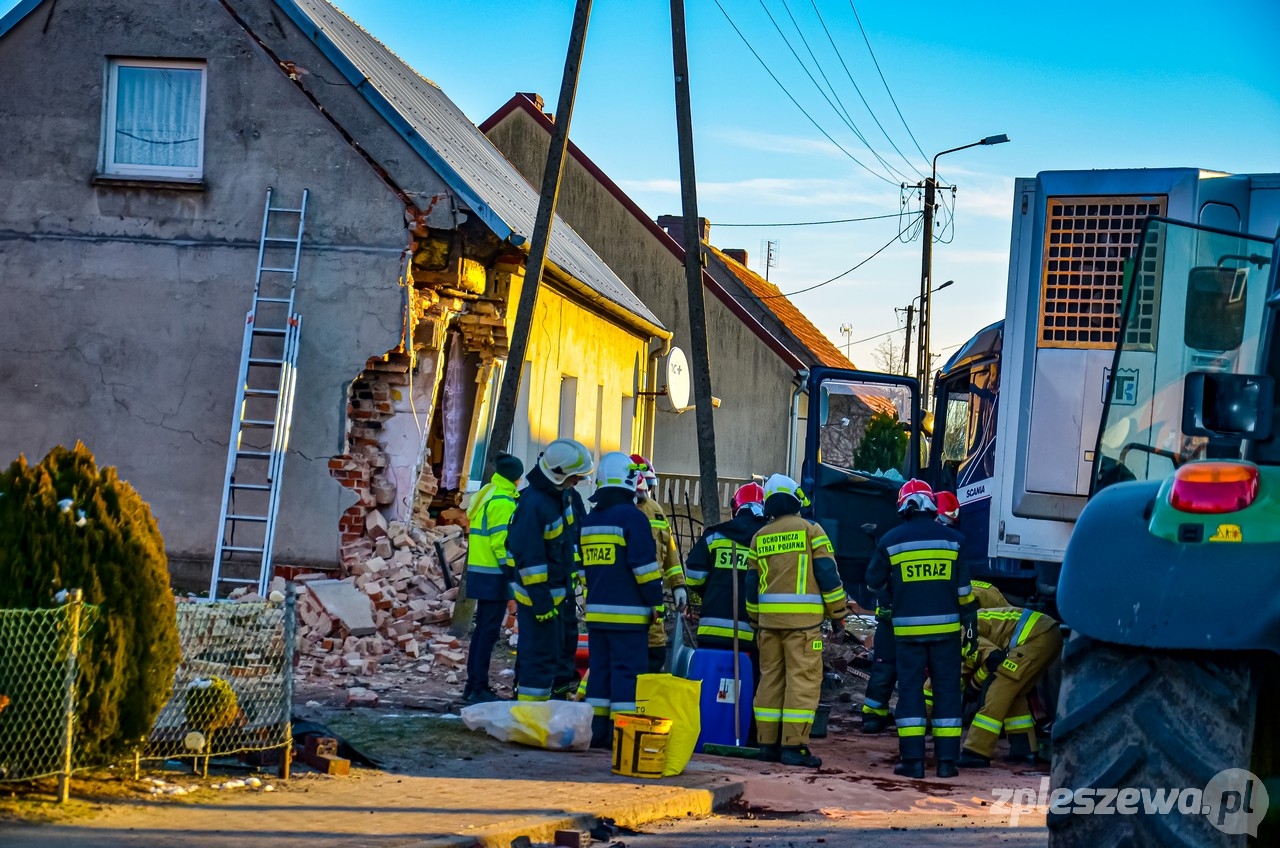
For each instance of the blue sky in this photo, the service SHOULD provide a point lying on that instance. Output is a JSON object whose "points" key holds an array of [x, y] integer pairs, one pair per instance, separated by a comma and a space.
{"points": [[1083, 85]]}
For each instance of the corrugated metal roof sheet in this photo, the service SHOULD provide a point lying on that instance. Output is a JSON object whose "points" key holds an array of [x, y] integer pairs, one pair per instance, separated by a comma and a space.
{"points": [[452, 145]]}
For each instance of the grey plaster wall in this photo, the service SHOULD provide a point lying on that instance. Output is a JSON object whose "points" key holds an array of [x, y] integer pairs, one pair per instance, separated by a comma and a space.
{"points": [[753, 383], [123, 308]]}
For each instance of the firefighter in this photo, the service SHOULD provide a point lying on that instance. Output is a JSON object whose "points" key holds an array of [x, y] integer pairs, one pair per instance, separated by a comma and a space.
{"points": [[919, 575], [717, 559], [984, 593], [794, 585], [668, 557], [542, 541], [566, 677], [948, 509], [489, 571], [624, 593], [1015, 647]]}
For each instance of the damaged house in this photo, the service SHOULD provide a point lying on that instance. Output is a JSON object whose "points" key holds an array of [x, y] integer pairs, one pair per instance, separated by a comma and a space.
{"points": [[141, 138]]}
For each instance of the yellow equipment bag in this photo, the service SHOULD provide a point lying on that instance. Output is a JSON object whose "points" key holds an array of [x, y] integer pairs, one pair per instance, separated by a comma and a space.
{"points": [[665, 696]]}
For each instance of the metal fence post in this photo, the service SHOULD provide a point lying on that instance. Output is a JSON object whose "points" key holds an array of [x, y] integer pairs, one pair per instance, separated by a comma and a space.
{"points": [[75, 599], [290, 644]]}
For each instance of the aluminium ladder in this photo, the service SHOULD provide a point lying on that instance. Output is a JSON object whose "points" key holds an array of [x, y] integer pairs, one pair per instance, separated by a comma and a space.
{"points": [[263, 411]]}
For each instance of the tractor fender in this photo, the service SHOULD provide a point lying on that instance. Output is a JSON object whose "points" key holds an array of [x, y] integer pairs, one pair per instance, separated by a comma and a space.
{"points": [[1123, 585]]}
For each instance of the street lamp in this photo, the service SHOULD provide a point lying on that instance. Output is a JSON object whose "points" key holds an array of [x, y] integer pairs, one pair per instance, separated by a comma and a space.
{"points": [[906, 347], [926, 269]]}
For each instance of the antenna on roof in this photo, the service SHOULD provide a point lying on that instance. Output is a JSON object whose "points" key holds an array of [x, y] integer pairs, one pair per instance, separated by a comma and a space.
{"points": [[769, 250]]}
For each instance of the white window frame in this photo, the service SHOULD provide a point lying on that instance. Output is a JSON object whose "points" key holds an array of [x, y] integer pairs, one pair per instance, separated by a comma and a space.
{"points": [[115, 169]]}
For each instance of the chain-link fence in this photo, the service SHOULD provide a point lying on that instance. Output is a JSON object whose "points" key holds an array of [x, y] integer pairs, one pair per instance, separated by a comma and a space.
{"points": [[39, 669], [233, 690]]}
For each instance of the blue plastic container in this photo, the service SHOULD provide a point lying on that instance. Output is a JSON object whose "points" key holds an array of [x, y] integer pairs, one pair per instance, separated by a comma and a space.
{"points": [[715, 669]]}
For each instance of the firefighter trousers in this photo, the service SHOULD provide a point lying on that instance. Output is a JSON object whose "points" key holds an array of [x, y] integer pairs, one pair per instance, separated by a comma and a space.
{"points": [[565, 678], [884, 672], [617, 658], [938, 659], [790, 685], [1004, 705], [537, 654]]}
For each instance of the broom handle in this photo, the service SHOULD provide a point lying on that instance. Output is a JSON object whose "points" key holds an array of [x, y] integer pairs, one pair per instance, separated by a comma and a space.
{"points": [[737, 693]]}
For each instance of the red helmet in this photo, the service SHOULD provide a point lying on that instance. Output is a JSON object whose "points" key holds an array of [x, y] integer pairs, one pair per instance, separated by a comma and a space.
{"points": [[916, 495], [948, 506], [748, 493], [648, 477]]}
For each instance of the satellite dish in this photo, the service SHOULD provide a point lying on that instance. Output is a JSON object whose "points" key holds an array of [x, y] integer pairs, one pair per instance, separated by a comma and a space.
{"points": [[674, 388]]}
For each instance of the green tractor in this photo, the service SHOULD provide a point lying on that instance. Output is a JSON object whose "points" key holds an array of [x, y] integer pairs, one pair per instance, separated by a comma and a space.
{"points": [[1167, 725]]}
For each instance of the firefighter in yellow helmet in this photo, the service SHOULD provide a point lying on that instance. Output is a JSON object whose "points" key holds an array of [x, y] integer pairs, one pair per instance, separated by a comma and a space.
{"points": [[668, 558], [794, 586]]}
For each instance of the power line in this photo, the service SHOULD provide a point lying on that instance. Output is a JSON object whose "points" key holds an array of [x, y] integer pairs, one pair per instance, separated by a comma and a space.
{"points": [[837, 105], [816, 125], [856, 88], [876, 336], [883, 80], [841, 275], [816, 223]]}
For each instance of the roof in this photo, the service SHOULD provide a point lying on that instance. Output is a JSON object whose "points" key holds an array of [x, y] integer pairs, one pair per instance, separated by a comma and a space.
{"points": [[778, 346], [447, 140], [985, 344], [766, 296]]}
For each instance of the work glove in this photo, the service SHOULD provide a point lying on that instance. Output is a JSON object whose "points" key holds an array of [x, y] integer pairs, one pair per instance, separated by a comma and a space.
{"points": [[884, 614], [973, 691], [681, 597], [547, 616], [994, 659]]}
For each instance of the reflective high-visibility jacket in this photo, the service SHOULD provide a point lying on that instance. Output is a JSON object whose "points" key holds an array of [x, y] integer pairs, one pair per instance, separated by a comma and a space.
{"points": [[668, 556], [797, 584], [988, 596], [542, 539], [719, 557], [919, 571], [624, 580], [488, 563], [1005, 628]]}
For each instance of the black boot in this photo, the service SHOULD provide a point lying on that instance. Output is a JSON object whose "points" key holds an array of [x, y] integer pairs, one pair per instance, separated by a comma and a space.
{"points": [[798, 755], [947, 768], [969, 759], [771, 753], [601, 732], [1020, 751], [872, 723], [910, 768]]}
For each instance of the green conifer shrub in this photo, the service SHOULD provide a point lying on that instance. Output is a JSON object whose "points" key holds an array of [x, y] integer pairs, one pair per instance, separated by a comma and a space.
{"points": [[116, 556]]}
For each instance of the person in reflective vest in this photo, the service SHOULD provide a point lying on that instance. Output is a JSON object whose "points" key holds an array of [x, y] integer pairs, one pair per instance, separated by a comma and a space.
{"points": [[542, 540], [489, 571], [624, 591], [673, 578], [794, 586], [919, 575], [1015, 647], [715, 561]]}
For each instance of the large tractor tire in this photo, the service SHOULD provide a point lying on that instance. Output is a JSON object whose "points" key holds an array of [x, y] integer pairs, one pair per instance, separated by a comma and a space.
{"points": [[1148, 720]]}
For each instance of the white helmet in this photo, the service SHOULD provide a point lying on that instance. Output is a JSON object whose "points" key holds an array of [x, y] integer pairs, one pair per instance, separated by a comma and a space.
{"points": [[564, 458], [781, 484], [617, 471]]}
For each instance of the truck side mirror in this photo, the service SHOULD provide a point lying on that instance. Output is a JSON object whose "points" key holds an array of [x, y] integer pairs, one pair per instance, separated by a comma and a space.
{"points": [[1227, 407]]}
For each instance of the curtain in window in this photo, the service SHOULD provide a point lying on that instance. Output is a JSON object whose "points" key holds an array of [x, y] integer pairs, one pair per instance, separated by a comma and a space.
{"points": [[158, 116]]}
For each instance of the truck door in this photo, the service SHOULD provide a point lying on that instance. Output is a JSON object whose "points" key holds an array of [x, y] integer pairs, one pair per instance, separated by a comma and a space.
{"points": [[862, 442]]}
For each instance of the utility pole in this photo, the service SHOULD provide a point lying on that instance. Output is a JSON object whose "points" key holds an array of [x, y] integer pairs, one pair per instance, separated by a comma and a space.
{"points": [[906, 347], [926, 270], [504, 415], [710, 499]]}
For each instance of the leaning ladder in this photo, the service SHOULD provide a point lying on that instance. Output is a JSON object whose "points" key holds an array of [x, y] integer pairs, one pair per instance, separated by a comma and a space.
{"points": [[263, 409]]}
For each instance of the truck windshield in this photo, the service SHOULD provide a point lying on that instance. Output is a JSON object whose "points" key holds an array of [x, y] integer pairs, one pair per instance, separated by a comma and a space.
{"points": [[866, 427], [1194, 301]]}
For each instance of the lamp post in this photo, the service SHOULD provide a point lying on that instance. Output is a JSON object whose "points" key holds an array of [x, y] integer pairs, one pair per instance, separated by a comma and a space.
{"points": [[926, 265], [906, 347]]}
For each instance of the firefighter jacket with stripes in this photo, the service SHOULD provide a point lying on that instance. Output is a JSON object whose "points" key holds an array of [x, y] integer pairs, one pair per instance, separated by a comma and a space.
{"points": [[715, 561], [988, 596], [542, 540], [1004, 629], [919, 572], [488, 563], [624, 580], [796, 584], [668, 556]]}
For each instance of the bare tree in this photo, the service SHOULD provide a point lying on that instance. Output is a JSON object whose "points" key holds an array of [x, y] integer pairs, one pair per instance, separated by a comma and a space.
{"points": [[887, 357]]}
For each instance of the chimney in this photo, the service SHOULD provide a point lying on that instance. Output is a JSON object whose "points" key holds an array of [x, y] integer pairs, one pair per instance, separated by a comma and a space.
{"points": [[534, 97], [674, 225], [737, 254]]}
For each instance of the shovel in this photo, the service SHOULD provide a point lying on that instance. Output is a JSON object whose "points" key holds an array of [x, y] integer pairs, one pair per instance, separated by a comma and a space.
{"points": [[737, 749]]}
